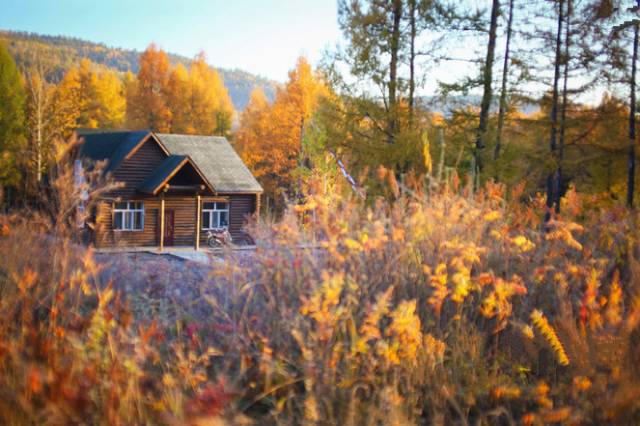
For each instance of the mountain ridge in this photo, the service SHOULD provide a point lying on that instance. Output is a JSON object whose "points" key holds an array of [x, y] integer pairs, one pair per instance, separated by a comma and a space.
{"points": [[64, 52]]}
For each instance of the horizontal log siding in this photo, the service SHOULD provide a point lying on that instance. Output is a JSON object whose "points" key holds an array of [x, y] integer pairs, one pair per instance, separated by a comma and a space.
{"points": [[184, 226], [137, 168], [107, 237], [241, 206]]}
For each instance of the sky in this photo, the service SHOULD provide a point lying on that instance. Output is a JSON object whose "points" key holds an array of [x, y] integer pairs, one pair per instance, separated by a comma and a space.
{"points": [[262, 37]]}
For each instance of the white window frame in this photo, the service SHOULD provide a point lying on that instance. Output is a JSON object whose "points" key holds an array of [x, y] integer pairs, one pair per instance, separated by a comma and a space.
{"points": [[132, 207], [215, 213]]}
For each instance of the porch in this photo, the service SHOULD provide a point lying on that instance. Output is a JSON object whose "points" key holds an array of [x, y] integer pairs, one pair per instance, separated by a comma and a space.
{"points": [[201, 255]]}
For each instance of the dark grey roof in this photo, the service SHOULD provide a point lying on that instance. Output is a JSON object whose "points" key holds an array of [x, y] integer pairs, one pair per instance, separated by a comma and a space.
{"points": [[112, 146], [217, 160], [213, 156], [161, 173]]}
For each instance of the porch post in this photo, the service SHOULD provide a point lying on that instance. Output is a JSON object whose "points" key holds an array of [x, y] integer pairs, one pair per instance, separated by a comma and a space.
{"points": [[161, 221], [198, 207], [257, 205]]}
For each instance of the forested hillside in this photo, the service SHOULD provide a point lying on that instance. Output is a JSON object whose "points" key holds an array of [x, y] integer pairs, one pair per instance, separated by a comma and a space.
{"points": [[65, 52]]}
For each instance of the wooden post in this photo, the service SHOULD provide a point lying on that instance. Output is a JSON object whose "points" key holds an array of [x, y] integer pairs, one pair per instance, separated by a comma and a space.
{"points": [[161, 221], [198, 214], [257, 205]]}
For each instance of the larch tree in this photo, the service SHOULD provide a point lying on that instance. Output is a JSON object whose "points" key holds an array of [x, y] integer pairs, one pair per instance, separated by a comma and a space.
{"points": [[111, 103], [487, 87], [88, 97], [271, 137], [552, 179], [375, 51], [502, 108], [253, 125], [566, 58], [631, 80], [147, 104], [179, 100], [631, 168], [211, 110]]}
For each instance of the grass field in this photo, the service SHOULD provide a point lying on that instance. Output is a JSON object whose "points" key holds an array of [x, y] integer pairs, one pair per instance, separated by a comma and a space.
{"points": [[447, 309]]}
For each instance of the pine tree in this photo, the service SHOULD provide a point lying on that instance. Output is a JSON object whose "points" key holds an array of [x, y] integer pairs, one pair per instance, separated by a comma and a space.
{"points": [[12, 121]]}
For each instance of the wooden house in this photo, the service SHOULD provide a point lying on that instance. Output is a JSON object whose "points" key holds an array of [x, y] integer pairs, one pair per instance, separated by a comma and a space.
{"points": [[173, 188]]}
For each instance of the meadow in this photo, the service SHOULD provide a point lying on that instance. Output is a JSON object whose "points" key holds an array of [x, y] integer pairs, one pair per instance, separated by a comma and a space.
{"points": [[443, 307]]}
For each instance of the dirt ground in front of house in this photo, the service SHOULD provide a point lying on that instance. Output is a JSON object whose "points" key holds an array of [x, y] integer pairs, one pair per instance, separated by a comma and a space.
{"points": [[166, 288]]}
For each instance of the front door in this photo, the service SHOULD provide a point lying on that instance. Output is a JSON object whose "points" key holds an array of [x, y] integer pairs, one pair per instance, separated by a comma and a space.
{"points": [[168, 227]]}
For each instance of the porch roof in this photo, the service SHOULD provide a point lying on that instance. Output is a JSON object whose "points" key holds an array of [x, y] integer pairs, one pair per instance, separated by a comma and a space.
{"points": [[165, 171]]}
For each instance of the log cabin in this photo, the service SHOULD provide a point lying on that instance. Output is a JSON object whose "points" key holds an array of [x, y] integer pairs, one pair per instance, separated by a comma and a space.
{"points": [[173, 188]]}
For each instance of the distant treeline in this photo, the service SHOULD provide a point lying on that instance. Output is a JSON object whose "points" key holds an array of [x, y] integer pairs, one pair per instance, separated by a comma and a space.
{"points": [[66, 52]]}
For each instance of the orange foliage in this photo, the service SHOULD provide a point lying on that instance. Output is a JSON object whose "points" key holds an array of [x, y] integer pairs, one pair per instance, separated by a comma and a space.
{"points": [[270, 136], [175, 100]]}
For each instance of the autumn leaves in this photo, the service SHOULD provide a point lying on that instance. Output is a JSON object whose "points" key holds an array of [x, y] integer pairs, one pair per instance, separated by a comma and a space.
{"points": [[271, 137], [176, 100]]}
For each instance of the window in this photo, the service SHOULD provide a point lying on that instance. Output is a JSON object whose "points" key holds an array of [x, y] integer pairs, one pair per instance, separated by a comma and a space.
{"points": [[128, 216], [215, 215]]}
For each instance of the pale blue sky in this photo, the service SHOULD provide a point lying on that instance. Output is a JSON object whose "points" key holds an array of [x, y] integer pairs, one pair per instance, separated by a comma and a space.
{"points": [[262, 37]]}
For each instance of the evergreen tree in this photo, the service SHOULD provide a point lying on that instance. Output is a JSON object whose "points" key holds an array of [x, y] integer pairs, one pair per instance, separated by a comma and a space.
{"points": [[12, 121]]}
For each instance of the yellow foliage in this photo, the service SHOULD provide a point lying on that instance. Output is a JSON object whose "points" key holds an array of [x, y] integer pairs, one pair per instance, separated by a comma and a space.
{"points": [[543, 326], [581, 383], [440, 290], [369, 329], [89, 97], [506, 392], [176, 100], [405, 330], [523, 243], [613, 312], [426, 154], [492, 216], [270, 137]]}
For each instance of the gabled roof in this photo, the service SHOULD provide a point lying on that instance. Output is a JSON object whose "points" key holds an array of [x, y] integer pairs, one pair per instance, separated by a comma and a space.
{"points": [[212, 156], [111, 146], [165, 171], [217, 160]]}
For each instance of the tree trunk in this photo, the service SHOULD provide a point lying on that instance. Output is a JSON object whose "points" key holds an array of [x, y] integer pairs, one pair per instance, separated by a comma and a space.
{"points": [[488, 75], [563, 117], [412, 78], [554, 112], [503, 90], [38, 96], [631, 167], [487, 91], [393, 70]]}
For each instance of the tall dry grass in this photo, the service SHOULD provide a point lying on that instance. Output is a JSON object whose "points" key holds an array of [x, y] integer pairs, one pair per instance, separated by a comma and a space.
{"points": [[452, 308]]}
